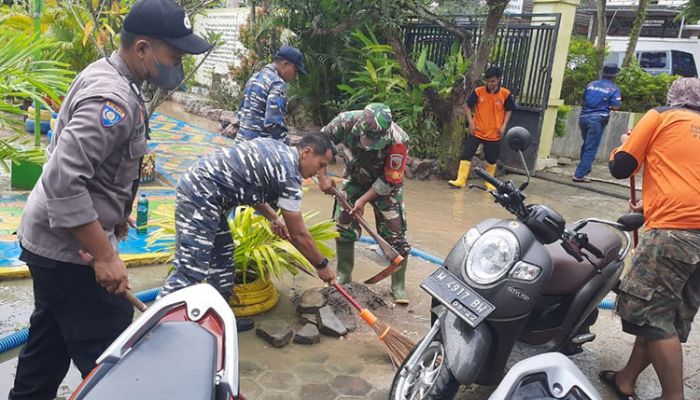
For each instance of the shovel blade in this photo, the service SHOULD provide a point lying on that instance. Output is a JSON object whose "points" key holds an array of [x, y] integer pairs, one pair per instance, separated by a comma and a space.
{"points": [[383, 274]]}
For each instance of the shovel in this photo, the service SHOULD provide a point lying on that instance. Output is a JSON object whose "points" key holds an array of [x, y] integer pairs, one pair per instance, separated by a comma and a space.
{"points": [[388, 251]]}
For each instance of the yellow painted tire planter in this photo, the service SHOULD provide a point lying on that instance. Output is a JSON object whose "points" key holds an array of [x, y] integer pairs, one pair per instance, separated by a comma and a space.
{"points": [[45, 114], [254, 298]]}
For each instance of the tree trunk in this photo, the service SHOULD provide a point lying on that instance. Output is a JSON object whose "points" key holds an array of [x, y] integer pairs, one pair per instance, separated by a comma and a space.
{"points": [[453, 128], [602, 32], [635, 31]]}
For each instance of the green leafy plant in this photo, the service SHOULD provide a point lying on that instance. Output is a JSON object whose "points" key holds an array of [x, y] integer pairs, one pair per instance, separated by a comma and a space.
{"points": [[257, 249], [560, 124], [642, 91], [378, 79], [582, 67], [19, 149], [22, 78]]}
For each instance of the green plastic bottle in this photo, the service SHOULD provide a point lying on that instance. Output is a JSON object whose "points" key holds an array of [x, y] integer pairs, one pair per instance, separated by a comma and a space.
{"points": [[142, 215]]}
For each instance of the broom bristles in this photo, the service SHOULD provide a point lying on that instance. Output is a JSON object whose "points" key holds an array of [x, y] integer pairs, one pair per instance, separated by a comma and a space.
{"points": [[398, 345]]}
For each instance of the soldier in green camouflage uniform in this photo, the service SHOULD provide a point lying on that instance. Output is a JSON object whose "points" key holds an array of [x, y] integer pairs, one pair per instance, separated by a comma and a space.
{"points": [[375, 168]]}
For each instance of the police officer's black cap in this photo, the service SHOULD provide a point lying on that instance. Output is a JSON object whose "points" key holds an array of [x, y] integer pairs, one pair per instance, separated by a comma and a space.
{"points": [[610, 70], [167, 21]]}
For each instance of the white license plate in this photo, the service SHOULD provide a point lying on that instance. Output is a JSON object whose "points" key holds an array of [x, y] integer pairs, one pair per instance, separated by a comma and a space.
{"points": [[457, 296]]}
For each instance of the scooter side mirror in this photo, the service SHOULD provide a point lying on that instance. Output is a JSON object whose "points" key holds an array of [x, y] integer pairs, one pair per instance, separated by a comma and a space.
{"points": [[518, 138], [631, 221]]}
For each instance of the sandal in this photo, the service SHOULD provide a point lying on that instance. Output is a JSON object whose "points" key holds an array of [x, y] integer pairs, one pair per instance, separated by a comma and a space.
{"points": [[608, 378]]}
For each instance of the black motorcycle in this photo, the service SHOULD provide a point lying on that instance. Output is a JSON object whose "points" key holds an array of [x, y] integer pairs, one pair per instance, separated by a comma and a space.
{"points": [[533, 279]]}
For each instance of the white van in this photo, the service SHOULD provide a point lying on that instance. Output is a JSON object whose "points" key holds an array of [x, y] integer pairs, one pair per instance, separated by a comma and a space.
{"points": [[659, 55]]}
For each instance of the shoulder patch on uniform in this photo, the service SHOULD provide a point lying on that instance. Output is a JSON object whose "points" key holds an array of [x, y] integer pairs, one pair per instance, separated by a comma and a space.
{"points": [[111, 114]]}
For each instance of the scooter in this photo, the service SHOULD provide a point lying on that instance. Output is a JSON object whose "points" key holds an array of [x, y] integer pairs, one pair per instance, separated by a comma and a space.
{"points": [[547, 376], [184, 346], [533, 279]]}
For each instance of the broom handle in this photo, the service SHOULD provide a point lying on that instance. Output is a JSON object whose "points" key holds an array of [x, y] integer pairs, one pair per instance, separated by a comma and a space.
{"points": [[135, 301], [347, 296]]}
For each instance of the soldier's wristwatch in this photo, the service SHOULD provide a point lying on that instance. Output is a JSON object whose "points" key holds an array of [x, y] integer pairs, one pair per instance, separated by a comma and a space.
{"points": [[323, 264]]}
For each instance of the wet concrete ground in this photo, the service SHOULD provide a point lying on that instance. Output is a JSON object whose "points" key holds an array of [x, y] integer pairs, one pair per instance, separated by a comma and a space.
{"points": [[358, 366]]}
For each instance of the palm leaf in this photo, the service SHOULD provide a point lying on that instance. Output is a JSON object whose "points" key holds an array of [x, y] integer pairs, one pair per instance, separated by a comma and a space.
{"points": [[257, 249]]}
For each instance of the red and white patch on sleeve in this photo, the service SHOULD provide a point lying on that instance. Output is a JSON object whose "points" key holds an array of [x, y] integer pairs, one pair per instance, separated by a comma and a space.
{"points": [[395, 163]]}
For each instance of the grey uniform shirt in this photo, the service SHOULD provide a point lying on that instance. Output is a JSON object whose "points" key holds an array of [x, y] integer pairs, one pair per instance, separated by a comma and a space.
{"points": [[93, 163]]}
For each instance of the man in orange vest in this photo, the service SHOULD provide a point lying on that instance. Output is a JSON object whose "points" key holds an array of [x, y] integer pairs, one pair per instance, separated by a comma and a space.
{"points": [[493, 106], [660, 295]]}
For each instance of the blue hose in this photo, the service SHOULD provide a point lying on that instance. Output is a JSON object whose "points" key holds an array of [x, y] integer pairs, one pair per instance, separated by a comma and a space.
{"points": [[606, 304], [19, 338], [13, 340]]}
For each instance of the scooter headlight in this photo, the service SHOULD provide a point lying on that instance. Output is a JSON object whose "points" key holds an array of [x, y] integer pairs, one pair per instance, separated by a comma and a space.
{"points": [[492, 255]]}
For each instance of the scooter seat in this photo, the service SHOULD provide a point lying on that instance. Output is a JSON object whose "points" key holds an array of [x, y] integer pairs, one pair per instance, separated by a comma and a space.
{"points": [[569, 275], [176, 360]]}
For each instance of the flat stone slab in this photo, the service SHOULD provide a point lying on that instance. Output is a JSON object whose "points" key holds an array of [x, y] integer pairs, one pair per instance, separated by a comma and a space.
{"points": [[276, 332], [329, 324], [309, 334], [311, 300]]}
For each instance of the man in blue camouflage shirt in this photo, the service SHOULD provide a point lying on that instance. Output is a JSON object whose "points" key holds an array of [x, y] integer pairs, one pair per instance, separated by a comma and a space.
{"points": [[264, 103], [254, 173]]}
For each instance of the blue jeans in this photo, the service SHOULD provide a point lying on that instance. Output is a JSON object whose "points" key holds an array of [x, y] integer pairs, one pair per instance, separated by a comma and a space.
{"points": [[592, 128]]}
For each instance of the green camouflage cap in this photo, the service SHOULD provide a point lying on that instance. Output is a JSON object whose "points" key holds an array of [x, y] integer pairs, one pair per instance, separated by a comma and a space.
{"points": [[374, 126]]}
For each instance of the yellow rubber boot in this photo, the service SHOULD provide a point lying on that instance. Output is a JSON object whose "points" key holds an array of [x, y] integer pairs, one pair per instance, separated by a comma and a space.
{"points": [[462, 174], [491, 169]]}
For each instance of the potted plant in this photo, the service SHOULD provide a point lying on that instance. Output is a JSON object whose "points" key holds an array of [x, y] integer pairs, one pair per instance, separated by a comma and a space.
{"points": [[258, 253], [22, 77]]}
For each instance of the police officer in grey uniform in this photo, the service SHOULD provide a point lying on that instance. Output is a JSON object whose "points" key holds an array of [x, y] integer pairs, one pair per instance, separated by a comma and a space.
{"points": [[80, 207], [254, 173], [264, 103]]}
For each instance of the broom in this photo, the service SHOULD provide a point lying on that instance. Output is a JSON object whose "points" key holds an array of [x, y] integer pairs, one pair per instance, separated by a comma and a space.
{"points": [[397, 344]]}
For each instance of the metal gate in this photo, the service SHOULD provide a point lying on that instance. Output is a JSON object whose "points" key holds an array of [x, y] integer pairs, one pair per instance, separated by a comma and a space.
{"points": [[524, 49]]}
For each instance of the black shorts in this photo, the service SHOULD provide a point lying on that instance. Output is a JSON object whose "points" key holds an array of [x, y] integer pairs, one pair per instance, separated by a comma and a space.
{"points": [[492, 149]]}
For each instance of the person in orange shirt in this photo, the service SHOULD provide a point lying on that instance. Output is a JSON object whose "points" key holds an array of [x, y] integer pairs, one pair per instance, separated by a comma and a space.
{"points": [[493, 106], [660, 295]]}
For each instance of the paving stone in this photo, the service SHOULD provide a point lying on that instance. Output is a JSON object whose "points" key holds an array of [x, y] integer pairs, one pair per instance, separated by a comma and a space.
{"points": [[311, 300], [329, 324], [250, 388], [346, 367], [308, 319], [378, 395], [351, 385], [313, 373], [249, 368], [277, 395], [275, 380], [307, 335], [317, 391], [276, 332]]}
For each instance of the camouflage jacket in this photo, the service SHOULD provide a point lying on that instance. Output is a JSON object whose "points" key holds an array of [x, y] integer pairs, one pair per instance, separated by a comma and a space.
{"points": [[264, 103], [368, 168]]}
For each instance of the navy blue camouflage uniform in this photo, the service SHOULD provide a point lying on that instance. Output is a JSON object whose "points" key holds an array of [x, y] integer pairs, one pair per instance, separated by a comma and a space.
{"points": [[264, 103], [248, 173]]}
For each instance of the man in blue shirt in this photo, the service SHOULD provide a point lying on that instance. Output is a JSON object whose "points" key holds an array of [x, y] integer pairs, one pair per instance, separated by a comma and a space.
{"points": [[254, 173], [599, 98], [264, 103]]}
